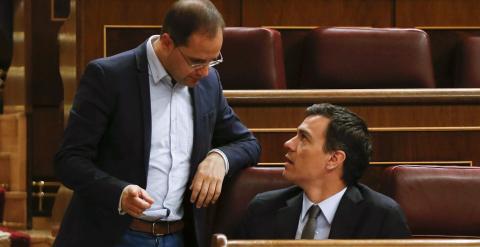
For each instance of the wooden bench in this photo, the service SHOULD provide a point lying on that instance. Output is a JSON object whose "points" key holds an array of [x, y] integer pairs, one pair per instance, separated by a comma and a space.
{"points": [[13, 144], [219, 240]]}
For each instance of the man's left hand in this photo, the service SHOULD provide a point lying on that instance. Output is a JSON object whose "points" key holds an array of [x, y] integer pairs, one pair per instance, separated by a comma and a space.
{"points": [[207, 182]]}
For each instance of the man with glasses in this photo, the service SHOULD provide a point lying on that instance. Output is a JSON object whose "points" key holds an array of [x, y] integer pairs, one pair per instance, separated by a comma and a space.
{"points": [[151, 137]]}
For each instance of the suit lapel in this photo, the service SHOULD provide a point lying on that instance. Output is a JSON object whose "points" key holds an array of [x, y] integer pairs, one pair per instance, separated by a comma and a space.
{"points": [[348, 214], [144, 85], [287, 218], [194, 160]]}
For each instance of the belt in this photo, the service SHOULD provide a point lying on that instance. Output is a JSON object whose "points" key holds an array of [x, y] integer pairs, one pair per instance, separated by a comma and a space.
{"points": [[158, 228]]}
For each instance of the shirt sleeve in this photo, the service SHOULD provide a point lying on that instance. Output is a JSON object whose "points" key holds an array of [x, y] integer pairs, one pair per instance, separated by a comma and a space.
{"points": [[120, 210], [225, 159]]}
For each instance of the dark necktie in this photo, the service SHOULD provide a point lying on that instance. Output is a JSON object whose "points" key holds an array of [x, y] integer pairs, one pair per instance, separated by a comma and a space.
{"points": [[311, 225]]}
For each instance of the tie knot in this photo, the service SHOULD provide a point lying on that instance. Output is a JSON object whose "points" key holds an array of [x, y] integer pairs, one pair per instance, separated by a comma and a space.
{"points": [[313, 211]]}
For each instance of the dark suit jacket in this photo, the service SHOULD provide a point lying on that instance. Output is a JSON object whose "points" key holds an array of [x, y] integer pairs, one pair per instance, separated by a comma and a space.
{"points": [[106, 146], [362, 213]]}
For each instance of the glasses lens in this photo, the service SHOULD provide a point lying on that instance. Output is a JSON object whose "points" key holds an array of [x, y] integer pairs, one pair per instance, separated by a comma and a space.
{"points": [[209, 64]]}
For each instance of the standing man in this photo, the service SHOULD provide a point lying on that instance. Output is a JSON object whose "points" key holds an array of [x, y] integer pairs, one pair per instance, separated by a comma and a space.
{"points": [[151, 137], [325, 160]]}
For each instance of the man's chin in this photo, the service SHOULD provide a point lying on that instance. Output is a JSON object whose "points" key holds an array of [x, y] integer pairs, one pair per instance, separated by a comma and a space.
{"points": [[190, 82], [286, 172], [288, 175]]}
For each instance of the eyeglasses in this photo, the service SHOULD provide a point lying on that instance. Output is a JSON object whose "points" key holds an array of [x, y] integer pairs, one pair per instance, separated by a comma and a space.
{"points": [[193, 65]]}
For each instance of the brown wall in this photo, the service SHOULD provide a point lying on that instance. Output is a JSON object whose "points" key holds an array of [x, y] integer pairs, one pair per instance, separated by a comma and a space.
{"points": [[411, 13], [34, 81], [429, 126], [39, 89], [93, 15], [377, 13], [34, 84], [40, 49]]}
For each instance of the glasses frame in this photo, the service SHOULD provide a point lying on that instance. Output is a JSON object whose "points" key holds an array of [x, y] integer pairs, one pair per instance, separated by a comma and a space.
{"points": [[201, 65]]}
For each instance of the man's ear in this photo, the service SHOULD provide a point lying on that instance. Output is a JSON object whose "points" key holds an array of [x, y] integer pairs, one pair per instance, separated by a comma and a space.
{"points": [[167, 41], [336, 159]]}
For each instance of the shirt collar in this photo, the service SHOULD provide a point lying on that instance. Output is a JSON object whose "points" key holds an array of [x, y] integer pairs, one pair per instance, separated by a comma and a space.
{"points": [[157, 70], [328, 206]]}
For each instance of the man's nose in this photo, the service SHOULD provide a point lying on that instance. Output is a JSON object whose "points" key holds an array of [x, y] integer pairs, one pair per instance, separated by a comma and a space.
{"points": [[203, 71], [289, 144]]}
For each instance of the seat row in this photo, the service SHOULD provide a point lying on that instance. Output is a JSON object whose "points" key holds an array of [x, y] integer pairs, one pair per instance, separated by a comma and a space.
{"points": [[341, 58], [438, 201]]}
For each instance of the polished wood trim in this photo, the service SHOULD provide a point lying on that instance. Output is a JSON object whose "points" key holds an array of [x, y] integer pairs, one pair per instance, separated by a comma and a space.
{"points": [[44, 194], [105, 27], [8, 109], [380, 129], [358, 96], [14, 225], [424, 129], [448, 27], [387, 163], [131, 26], [273, 130], [355, 243], [290, 27], [220, 240], [270, 164], [427, 163], [45, 183], [312, 27]]}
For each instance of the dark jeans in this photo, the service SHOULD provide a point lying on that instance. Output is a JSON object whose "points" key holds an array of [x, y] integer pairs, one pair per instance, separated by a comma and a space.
{"points": [[140, 239]]}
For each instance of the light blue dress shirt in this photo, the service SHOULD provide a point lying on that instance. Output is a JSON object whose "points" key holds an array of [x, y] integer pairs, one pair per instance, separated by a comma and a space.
{"points": [[328, 206]]}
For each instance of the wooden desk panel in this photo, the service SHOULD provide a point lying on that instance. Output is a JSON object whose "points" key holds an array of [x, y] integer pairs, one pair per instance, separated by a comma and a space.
{"points": [[414, 125]]}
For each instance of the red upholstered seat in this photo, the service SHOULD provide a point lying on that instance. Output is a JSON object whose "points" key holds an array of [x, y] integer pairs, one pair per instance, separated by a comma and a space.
{"points": [[253, 59], [437, 200], [467, 73], [17, 239], [341, 58], [240, 191]]}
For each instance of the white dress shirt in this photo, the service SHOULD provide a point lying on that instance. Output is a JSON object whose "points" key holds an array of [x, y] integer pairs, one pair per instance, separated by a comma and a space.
{"points": [[171, 142], [324, 221]]}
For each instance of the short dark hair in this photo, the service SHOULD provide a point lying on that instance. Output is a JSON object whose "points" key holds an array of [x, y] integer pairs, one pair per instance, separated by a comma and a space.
{"points": [[348, 132], [186, 17]]}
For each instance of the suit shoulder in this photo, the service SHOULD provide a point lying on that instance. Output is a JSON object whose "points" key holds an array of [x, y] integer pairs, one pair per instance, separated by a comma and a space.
{"points": [[273, 199], [377, 199], [117, 61]]}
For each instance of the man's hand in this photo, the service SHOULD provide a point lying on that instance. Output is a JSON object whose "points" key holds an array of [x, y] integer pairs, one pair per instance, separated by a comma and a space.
{"points": [[135, 200], [207, 182]]}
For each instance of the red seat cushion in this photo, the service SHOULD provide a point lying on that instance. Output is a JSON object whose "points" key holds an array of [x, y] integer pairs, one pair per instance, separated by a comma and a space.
{"points": [[253, 59], [437, 200], [344, 58], [467, 73], [17, 239]]}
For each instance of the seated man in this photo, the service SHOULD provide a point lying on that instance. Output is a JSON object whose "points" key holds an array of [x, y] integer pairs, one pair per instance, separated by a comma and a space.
{"points": [[325, 160]]}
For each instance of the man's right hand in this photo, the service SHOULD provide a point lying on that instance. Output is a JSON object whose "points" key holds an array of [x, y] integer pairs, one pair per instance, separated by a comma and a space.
{"points": [[135, 200]]}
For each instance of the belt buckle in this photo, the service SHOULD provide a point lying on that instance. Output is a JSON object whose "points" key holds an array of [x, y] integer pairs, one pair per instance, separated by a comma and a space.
{"points": [[159, 234]]}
